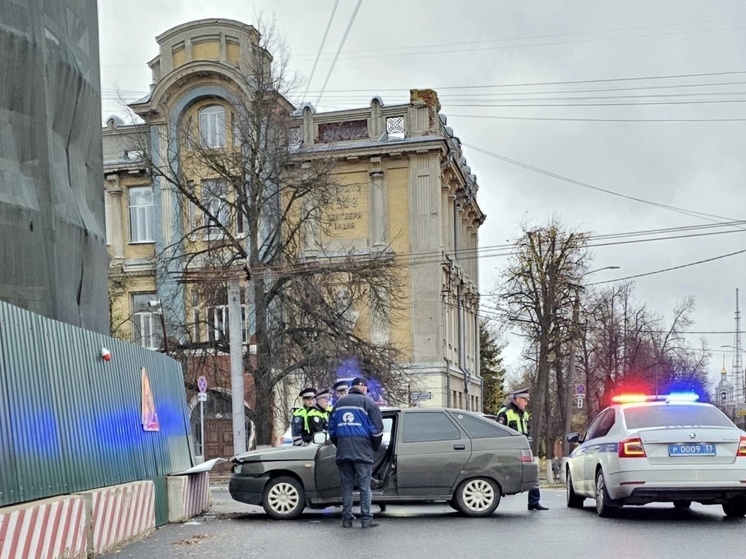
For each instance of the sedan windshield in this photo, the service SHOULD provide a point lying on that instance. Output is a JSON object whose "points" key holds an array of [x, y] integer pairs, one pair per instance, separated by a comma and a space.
{"points": [[673, 415]]}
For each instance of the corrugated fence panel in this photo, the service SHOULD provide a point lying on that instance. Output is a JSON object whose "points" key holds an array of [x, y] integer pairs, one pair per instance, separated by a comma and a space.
{"points": [[70, 421]]}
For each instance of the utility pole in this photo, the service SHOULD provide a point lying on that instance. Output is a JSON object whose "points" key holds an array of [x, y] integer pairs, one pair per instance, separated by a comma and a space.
{"points": [[237, 385], [570, 388]]}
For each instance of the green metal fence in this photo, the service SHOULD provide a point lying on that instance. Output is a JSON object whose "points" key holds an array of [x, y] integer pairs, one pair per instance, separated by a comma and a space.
{"points": [[71, 421]]}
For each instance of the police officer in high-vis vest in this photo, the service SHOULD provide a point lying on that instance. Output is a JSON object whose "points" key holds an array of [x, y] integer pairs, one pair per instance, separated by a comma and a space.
{"points": [[515, 416], [300, 427], [318, 417]]}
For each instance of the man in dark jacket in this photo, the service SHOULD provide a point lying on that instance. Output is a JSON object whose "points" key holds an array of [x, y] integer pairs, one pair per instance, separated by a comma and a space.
{"points": [[356, 429]]}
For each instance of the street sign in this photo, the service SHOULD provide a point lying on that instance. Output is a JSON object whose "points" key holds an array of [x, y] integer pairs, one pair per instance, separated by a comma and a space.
{"points": [[580, 389], [741, 411], [579, 402], [202, 384], [417, 396], [202, 397]]}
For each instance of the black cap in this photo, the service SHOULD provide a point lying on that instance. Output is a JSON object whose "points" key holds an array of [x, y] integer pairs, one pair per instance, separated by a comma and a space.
{"points": [[341, 385], [359, 381], [323, 394], [306, 392]]}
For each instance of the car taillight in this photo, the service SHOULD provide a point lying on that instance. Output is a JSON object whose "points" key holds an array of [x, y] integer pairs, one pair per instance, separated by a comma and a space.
{"points": [[527, 456], [742, 447], [631, 448]]}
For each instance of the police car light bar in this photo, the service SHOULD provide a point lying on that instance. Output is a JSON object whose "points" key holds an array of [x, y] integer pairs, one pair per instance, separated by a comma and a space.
{"points": [[638, 398], [632, 398]]}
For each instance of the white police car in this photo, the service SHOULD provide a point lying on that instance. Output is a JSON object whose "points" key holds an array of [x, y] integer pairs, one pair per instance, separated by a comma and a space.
{"points": [[648, 449]]}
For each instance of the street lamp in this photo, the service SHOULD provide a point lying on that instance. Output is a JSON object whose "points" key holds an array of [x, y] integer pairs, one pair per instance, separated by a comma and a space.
{"points": [[156, 304]]}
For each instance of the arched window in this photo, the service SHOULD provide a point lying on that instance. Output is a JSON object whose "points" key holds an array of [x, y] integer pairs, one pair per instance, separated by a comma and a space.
{"points": [[212, 126]]}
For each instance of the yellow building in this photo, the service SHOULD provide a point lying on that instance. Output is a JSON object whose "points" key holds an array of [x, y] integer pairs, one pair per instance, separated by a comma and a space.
{"points": [[407, 190]]}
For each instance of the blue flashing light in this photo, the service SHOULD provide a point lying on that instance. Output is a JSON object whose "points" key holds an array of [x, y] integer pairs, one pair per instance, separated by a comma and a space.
{"points": [[682, 397]]}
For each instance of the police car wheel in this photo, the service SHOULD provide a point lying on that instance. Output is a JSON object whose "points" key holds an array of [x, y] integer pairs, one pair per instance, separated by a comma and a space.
{"points": [[574, 501], [478, 496], [284, 498], [735, 508], [605, 507]]}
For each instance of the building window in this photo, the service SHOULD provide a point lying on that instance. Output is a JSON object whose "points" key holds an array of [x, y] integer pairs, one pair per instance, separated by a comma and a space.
{"points": [[141, 214], [144, 321], [212, 126], [214, 199], [294, 138], [218, 319], [395, 127], [340, 131]]}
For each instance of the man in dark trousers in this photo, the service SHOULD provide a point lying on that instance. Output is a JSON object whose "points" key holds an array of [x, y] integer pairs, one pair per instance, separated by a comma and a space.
{"points": [[515, 416], [356, 429]]}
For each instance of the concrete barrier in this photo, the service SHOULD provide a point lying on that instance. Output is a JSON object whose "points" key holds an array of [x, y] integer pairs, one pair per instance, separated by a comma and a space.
{"points": [[119, 514], [188, 495], [54, 528]]}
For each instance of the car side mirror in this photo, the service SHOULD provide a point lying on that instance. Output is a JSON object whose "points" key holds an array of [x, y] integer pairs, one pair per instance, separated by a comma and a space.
{"points": [[573, 438], [320, 437]]}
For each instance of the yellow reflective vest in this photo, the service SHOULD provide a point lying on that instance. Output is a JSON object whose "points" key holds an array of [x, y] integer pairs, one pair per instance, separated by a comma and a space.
{"points": [[514, 419]]}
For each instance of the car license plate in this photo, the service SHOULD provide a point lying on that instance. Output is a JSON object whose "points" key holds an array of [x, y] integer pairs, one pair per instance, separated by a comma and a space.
{"points": [[691, 449]]}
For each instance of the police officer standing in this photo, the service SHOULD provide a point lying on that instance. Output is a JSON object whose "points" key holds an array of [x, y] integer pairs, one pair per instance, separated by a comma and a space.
{"points": [[318, 416], [341, 388], [300, 427], [515, 416]]}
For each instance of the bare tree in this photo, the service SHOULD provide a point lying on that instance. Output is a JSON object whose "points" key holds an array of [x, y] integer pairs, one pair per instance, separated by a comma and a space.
{"points": [[623, 346], [536, 295], [253, 204]]}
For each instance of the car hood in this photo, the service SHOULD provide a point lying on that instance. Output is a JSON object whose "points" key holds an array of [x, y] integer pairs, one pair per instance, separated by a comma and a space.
{"points": [[278, 453]]}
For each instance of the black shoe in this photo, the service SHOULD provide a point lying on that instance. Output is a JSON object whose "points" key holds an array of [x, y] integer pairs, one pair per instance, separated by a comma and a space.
{"points": [[370, 524], [346, 523], [537, 506]]}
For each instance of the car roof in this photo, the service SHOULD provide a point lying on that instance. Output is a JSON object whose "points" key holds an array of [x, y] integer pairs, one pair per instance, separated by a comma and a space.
{"points": [[659, 403]]}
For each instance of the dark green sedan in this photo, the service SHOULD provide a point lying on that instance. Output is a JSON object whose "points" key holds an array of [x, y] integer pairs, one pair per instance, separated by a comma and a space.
{"points": [[427, 455]]}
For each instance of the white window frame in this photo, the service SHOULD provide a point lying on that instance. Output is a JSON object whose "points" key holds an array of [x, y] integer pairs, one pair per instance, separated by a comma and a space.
{"points": [[218, 315], [212, 126], [140, 215], [214, 195], [144, 322]]}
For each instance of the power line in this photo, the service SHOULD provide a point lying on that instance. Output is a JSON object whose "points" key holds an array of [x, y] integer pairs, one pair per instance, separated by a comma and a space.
{"points": [[691, 213], [601, 119], [339, 49], [672, 268], [571, 82], [321, 47]]}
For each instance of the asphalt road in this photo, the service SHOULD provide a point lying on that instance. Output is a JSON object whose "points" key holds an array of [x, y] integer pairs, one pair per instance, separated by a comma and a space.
{"points": [[430, 531]]}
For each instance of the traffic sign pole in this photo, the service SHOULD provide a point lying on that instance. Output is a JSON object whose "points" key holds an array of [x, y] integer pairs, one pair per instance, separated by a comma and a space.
{"points": [[202, 396]]}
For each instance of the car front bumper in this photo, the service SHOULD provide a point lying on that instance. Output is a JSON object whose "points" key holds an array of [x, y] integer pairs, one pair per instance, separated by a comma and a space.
{"points": [[247, 489]]}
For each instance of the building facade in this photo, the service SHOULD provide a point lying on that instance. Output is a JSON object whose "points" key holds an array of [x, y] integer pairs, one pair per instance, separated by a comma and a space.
{"points": [[407, 190], [53, 253]]}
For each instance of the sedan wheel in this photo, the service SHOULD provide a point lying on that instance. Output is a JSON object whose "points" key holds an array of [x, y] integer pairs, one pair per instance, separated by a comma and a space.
{"points": [[604, 505], [284, 498], [574, 501], [735, 508], [478, 497]]}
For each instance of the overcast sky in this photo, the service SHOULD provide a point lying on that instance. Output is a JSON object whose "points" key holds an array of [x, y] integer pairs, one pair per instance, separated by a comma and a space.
{"points": [[556, 102]]}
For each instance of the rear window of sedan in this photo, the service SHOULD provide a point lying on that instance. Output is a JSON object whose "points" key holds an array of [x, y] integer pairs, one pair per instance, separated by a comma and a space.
{"points": [[481, 427], [674, 415]]}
